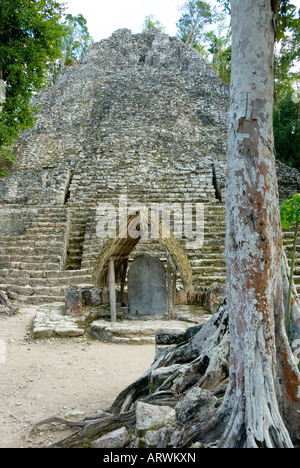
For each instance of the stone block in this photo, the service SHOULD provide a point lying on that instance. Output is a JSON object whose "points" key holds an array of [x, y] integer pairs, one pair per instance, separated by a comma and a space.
{"points": [[152, 416], [195, 401], [40, 333], [6, 307], [181, 298], [147, 288], [96, 297], [170, 337], [86, 296], [216, 297], [73, 302], [117, 439], [69, 331], [192, 295], [105, 296]]}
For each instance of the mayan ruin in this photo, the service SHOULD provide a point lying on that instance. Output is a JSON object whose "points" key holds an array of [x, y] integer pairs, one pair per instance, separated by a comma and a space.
{"points": [[142, 117], [112, 221]]}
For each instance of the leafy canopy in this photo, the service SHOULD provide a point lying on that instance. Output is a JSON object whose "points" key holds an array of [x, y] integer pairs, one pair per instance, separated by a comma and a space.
{"points": [[287, 128], [290, 211], [77, 39], [31, 35], [151, 22], [36, 43], [75, 43], [195, 16], [290, 214]]}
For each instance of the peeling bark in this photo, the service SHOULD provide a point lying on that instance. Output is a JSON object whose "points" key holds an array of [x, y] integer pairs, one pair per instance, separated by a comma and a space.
{"points": [[254, 244]]}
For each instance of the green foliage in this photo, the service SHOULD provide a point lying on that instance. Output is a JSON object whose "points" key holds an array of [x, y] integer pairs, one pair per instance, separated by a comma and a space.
{"points": [[286, 19], [287, 129], [31, 35], [221, 54], [196, 15], [152, 22], [289, 51], [212, 42], [77, 40], [36, 42], [225, 4], [290, 211], [219, 41], [287, 105], [290, 214]]}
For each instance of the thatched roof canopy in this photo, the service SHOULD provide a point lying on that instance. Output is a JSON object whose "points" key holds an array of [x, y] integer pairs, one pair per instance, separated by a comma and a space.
{"points": [[129, 235]]}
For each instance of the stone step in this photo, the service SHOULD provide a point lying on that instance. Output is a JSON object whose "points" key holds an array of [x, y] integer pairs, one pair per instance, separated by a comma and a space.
{"points": [[40, 241], [39, 252], [203, 262], [297, 279], [31, 266], [207, 280], [34, 260], [30, 258], [38, 290], [209, 271], [36, 299], [49, 221], [137, 331], [44, 282], [60, 274]]}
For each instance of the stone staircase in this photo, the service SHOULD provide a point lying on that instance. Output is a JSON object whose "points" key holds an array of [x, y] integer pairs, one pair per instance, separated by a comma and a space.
{"points": [[59, 248], [32, 265], [77, 221], [288, 238], [167, 185], [208, 263]]}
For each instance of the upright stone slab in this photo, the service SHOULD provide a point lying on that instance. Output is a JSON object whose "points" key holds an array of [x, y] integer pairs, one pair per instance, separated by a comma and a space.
{"points": [[147, 291], [73, 302]]}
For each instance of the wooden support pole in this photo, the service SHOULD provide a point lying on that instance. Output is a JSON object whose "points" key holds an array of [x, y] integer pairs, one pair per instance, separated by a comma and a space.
{"points": [[170, 286], [174, 285], [112, 290], [123, 279]]}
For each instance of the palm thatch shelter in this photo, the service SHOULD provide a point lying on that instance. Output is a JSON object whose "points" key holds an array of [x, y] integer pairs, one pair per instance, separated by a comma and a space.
{"points": [[112, 263]]}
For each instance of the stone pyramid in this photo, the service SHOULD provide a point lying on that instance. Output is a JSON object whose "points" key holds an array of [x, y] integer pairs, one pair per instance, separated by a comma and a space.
{"points": [[141, 115]]}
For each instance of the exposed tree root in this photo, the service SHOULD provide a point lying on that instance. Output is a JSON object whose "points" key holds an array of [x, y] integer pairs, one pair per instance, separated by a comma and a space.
{"points": [[50, 420], [201, 361], [200, 364]]}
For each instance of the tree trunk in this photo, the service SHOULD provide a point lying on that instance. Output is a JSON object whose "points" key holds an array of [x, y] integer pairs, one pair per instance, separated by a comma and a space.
{"points": [[259, 360]]}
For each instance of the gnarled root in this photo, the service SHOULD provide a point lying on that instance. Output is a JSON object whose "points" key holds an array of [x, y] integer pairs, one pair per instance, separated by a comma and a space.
{"points": [[201, 361]]}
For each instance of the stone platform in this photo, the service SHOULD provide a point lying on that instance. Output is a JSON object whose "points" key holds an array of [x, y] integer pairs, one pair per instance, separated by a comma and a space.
{"points": [[51, 322]]}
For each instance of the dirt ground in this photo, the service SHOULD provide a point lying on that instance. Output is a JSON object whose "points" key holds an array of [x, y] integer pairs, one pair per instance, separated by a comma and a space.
{"points": [[70, 378]]}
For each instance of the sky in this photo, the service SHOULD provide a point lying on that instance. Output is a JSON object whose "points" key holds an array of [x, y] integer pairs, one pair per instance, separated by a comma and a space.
{"points": [[106, 16]]}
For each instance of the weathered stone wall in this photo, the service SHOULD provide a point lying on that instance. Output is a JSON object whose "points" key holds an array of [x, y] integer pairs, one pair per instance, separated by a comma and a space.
{"points": [[288, 180], [141, 115], [141, 111]]}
